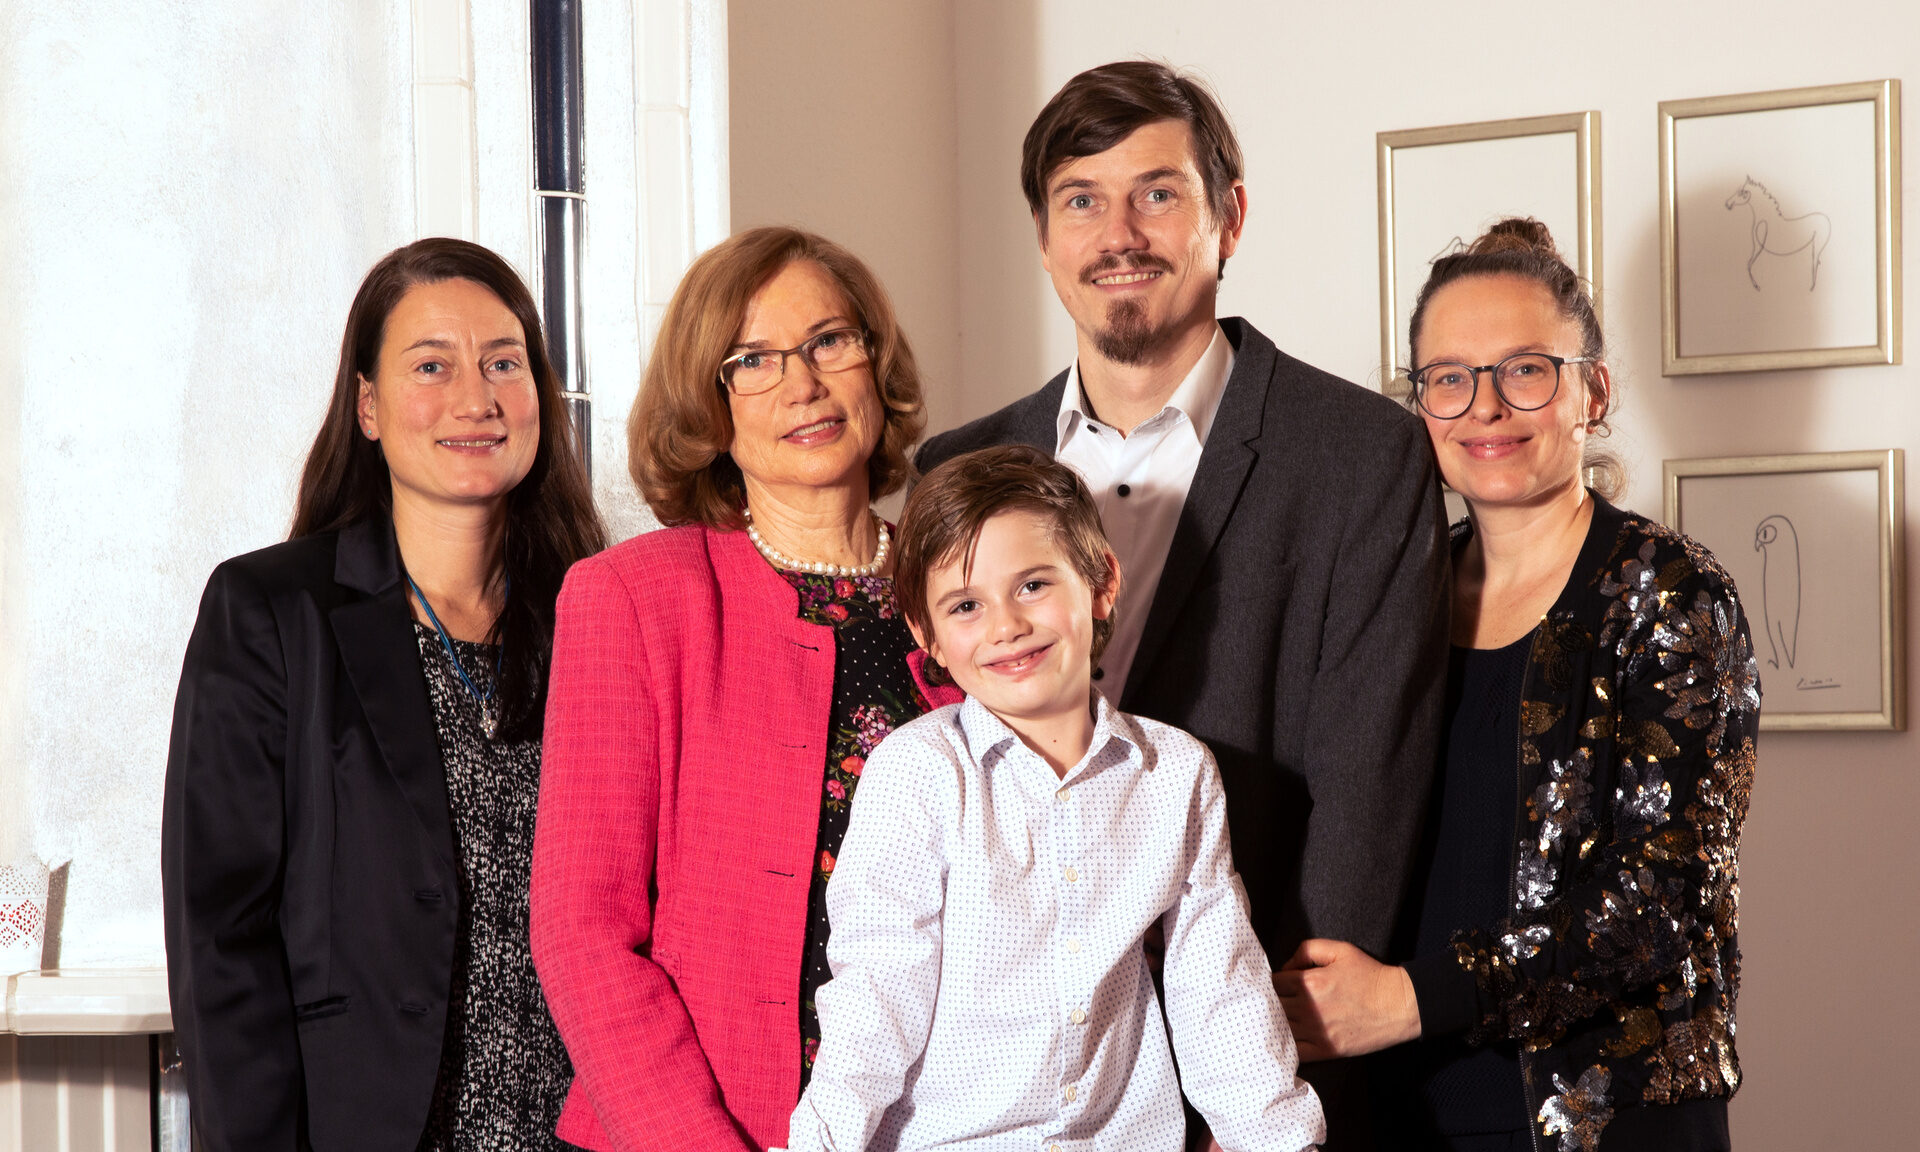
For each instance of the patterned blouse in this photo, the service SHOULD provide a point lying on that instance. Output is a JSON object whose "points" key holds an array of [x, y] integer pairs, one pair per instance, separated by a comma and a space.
{"points": [[1617, 964], [873, 693], [503, 1071]]}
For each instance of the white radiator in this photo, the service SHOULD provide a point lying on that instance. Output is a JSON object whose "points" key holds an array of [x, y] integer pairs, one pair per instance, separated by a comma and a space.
{"points": [[76, 1093]]}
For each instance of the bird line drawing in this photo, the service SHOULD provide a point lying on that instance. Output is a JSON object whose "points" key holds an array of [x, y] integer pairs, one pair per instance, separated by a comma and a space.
{"points": [[1779, 547], [1775, 233]]}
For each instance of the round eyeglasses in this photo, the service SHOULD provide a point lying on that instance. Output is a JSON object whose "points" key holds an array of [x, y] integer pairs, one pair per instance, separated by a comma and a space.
{"points": [[759, 369], [1524, 382]]}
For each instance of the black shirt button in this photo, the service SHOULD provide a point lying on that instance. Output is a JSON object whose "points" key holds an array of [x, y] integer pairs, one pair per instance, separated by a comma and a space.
{"points": [[1124, 490], [1099, 673]]}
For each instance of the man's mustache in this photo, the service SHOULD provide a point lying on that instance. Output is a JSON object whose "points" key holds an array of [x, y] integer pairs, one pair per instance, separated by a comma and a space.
{"points": [[1109, 264]]}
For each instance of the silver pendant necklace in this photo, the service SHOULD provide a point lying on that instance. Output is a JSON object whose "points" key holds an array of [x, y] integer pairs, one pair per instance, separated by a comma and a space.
{"points": [[488, 702]]}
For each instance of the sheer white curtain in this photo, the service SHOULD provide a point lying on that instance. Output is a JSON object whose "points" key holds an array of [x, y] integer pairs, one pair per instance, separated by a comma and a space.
{"points": [[186, 207]]}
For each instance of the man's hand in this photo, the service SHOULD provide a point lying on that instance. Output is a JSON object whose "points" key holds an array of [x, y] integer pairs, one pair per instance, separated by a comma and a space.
{"points": [[1342, 1002]]}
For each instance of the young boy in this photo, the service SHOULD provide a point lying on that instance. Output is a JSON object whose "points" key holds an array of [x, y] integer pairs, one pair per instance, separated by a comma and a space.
{"points": [[1008, 853]]}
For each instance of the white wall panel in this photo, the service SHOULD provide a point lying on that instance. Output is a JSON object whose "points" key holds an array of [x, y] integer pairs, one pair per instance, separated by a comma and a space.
{"points": [[503, 131], [445, 195]]}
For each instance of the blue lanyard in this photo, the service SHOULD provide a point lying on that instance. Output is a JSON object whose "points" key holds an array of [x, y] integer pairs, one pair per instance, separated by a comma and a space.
{"points": [[488, 721]]}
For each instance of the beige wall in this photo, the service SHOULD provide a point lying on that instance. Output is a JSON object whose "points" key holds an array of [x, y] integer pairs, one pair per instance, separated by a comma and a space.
{"points": [[934, 98], [843, 123]]}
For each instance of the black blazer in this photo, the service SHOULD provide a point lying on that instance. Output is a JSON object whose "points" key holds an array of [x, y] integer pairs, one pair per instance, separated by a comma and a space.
{"points": [[308, 860], [1299, 629]]}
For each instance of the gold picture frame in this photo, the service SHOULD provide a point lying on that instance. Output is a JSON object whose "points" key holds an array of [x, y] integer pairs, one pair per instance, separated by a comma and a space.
{"points": [[1833, 153], [1810, 540], [1441, 208]]}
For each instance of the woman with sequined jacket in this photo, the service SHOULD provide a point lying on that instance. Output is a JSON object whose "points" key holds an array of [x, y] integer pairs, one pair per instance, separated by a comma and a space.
{"points": [[1574, 961]]}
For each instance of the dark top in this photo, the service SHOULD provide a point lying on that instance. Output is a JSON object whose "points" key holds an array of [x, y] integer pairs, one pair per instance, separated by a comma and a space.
{"points": [[503, 1070], [873, 693], [1469, 854], [1615, 961]]}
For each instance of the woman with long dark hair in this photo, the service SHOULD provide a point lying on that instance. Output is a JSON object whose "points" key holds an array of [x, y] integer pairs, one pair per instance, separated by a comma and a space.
{"points": [[355, 758]]}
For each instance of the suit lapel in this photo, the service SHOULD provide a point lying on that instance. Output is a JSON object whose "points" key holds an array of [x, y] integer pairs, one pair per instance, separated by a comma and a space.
{"points": [[375, 635], [1039, 422], [1224, 463]]}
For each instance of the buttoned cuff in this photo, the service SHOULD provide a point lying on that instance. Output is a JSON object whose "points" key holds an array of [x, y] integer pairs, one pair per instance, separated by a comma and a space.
{"points": [[1448, 997]]}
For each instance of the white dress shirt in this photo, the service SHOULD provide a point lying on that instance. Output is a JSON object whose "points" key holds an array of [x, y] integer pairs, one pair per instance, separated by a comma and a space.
{"points": [[1140, 483], [989, 988]]}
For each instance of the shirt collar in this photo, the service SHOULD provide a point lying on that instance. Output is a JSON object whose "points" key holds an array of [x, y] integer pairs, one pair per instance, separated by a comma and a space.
{"points": [[1197, 398], [988, 736]]}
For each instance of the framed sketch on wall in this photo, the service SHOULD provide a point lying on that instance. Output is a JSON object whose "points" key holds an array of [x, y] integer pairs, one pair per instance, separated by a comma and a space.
{"points": [[1780, 229], [1814, 545], [1442, 186]]}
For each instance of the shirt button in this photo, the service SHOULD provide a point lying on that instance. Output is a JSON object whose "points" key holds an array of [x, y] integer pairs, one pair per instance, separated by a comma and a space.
{"points": [[1078, 1016], [1072, 874], [1099, 673], [1073, 945], [1072, 1091], [1124, 490], [1063, 794]]}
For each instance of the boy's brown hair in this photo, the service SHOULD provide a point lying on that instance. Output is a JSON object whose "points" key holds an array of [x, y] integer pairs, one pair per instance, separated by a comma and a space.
{"points": [[950, 506]]}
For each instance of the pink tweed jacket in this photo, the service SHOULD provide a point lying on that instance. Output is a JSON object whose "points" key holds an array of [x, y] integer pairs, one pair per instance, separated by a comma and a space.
{"points": [[680, 790]]}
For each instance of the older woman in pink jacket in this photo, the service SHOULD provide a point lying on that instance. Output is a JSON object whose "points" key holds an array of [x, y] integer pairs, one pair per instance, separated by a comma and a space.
{"points": [[716, 687]]}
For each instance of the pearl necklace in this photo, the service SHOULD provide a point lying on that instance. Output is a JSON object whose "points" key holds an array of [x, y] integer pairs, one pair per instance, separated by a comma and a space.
{"points": [[781, 560]]}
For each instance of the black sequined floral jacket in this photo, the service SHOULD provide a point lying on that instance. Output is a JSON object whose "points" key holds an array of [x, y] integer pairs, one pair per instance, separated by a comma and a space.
{"points": [[1617, 967]]}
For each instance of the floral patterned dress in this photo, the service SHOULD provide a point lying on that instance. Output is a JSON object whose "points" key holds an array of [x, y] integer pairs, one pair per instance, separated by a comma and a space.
{"points": [[504, 1072], [873, 693]]}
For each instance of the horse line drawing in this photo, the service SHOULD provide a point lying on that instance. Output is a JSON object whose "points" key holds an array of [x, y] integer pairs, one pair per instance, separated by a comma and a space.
{"points": [[1777, 234]]}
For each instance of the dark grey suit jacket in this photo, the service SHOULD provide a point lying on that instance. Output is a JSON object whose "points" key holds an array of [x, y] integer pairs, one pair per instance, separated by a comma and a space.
{"points": [[1300, 629]]}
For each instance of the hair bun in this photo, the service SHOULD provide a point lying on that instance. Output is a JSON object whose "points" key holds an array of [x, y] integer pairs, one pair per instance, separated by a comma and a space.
{"points": [[1515, 234]]}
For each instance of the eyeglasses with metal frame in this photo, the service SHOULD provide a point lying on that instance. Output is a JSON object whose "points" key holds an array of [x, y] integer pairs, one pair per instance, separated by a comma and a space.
{"points": [[758, 369], [1524, 381]]}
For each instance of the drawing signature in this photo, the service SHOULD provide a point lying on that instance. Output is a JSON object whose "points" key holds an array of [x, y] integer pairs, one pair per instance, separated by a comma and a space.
{"points": [[1806, 685]]}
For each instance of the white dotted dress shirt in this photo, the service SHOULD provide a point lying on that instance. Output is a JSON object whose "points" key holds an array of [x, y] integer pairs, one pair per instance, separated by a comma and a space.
{"points": [[989, 988], [1140, 482]]}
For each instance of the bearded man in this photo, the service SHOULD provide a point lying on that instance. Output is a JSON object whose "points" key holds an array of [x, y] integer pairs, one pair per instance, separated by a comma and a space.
{"points": [[1281, 530]]}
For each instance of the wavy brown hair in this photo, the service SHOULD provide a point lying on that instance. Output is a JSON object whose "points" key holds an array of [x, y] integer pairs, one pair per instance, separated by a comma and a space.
{"points": [[949, 508], [680, 430], [1521, 246], [551, 520]]}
